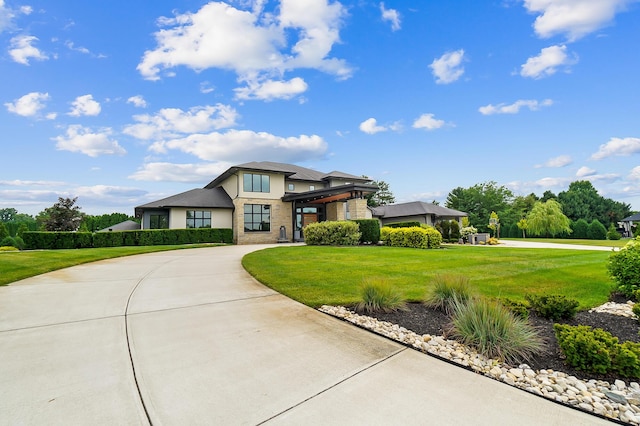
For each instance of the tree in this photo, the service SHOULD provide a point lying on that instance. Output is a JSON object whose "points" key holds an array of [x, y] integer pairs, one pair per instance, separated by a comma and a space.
{"points": [[596, 230], [494, 224], [382, 197], [479, 201], [523, 225], [580, 228], [62, 216], [3, 231], [7, 215], [548, 195], [547, 219], [582, 201]]}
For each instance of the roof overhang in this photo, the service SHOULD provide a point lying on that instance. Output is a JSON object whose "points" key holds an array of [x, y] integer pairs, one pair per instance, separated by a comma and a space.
{"points": [[334, 193]]}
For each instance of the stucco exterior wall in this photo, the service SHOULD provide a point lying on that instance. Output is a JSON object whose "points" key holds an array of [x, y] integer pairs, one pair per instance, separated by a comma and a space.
{"points": [[276, 188], [220, 218]]}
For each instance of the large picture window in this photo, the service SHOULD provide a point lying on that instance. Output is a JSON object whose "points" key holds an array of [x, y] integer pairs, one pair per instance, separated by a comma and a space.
{"points": [[198, 219], [256, 183], [257, 217], [158, 221]]}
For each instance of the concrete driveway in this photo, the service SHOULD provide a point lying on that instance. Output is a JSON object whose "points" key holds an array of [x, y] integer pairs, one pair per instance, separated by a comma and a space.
{"points": [[187, 337]]}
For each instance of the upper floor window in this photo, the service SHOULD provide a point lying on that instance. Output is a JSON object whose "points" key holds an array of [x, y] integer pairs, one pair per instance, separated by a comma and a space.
{"points": [[198, 219], [291, 187], [312, 187], [256, 183]]}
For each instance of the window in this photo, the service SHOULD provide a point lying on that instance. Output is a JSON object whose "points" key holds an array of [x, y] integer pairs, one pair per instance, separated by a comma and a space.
{"points": [[198, 219], [291, 187], [312, 187], [257, 217], [158, 221], [256, 183]]}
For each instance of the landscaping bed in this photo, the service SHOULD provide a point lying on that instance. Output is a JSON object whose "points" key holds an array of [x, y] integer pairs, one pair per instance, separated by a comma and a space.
{"points": [[424, 320]]}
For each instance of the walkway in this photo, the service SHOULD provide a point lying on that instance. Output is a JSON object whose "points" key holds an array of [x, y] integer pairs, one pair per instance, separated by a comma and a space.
{"points": [[187, 337]]}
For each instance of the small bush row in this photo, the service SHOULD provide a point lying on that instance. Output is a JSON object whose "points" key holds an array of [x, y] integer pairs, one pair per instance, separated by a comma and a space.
{"points": [[411, 224], [15, 242], [75, 240], [416, 237], [334, 233], [597, 351]]}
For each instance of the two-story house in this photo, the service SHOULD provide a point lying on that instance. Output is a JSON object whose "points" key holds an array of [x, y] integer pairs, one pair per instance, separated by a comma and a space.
{"points": [[261, 200]]}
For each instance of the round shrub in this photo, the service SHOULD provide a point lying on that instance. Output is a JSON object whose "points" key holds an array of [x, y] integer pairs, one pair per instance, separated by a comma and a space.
{"points": [[636, 309], [579, 228], [333, 233], [369, 230], [8, 242], [596, 231], [554, 307], [624, 268], [612, 233]]}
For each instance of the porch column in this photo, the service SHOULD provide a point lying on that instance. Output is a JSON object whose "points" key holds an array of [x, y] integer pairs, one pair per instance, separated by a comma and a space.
{"points": [[358, 208], [335, 211]]}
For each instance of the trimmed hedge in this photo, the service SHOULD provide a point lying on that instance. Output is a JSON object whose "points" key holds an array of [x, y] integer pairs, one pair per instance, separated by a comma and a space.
{"points": [[73, 240], [333, 233], [597, 351], [403, 224], [415, 237], [369, 230]]}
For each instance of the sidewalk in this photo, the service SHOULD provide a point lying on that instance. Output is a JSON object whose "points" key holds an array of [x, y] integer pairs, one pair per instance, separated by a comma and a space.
{"points": [[188, 337]]}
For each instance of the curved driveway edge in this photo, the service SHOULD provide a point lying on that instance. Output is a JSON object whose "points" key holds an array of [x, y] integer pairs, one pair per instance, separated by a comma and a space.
{"points": [[210, 345]]}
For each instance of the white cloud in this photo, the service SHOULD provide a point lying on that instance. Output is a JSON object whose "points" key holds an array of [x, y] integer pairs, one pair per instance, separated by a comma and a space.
{"points": [[137, 101], [101, 192], [7, 15], [252, 43], [246, 145], [28, 105], [22, 49], [18, 182], [71, 46], [206, 87], [428, 122], [547, 62], [173, 122], [82, 139], [585, 171], [371, 127], [556, 162], [448, 68], [634, 174], [271, 89], [392, 16], [85, 105], [623, 147], [171, 172], [574, 18], [515, 107]]}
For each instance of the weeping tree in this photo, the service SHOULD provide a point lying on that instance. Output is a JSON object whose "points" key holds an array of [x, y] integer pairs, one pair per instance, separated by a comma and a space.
{"points": [[547, 219]]}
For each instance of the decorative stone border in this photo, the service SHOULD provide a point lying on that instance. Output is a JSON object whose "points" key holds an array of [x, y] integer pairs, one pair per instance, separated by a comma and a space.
{"points": [[615, 401]]}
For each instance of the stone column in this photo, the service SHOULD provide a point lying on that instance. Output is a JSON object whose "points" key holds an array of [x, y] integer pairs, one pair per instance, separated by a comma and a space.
{"points": [[358, 208]]}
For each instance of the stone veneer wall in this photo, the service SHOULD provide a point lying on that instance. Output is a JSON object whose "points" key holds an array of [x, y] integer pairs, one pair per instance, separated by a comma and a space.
{"points": [[358, 209], [335, 211], [281, 214]]}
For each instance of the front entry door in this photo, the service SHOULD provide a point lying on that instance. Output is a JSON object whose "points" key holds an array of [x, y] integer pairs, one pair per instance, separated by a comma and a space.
{"points": [[308, 218]]}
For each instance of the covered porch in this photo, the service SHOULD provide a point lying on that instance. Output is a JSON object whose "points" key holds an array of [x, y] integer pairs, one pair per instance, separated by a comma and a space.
{"points": [[342, 202]]}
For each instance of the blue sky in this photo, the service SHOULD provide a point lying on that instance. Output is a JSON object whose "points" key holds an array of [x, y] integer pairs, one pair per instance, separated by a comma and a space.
{"points": [[121, 103]]}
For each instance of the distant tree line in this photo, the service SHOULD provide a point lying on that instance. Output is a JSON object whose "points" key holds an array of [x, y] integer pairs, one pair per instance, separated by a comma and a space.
{"points": [[578, 212]]}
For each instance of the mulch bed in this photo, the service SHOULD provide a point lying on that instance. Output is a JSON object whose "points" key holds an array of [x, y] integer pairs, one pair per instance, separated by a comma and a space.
{"points": [[423, 320]]}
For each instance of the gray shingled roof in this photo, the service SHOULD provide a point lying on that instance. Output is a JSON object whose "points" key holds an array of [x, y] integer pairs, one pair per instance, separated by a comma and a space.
{"points": [[632, 218], [414, 208], [291, 170], [211, 198], [127, 225]]}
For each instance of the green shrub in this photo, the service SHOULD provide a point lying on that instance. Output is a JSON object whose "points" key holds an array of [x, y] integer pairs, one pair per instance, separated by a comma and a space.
{"points": [[624, 268], [445, 289], [554, 307], [519, 309], [369, 230], [596, 231], [494, 331], [579, 229], [4, 232], [378, 296], [454, 231], [597, 351], [416, 237], [8, 242], [8, 248], [612, 233], [434, 237], [335, 233], [403, 224], [636, 309], [493, 241]]}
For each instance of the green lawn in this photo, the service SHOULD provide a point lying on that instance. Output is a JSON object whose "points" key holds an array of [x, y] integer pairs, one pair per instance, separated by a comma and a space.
{"points": [[598, 243], [18, 265], [332, 275]]}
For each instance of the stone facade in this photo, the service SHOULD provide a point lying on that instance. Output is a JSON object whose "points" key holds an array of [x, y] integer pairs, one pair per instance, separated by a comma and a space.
{"points": [[281, 215], [335, 211], [358, 209]]}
